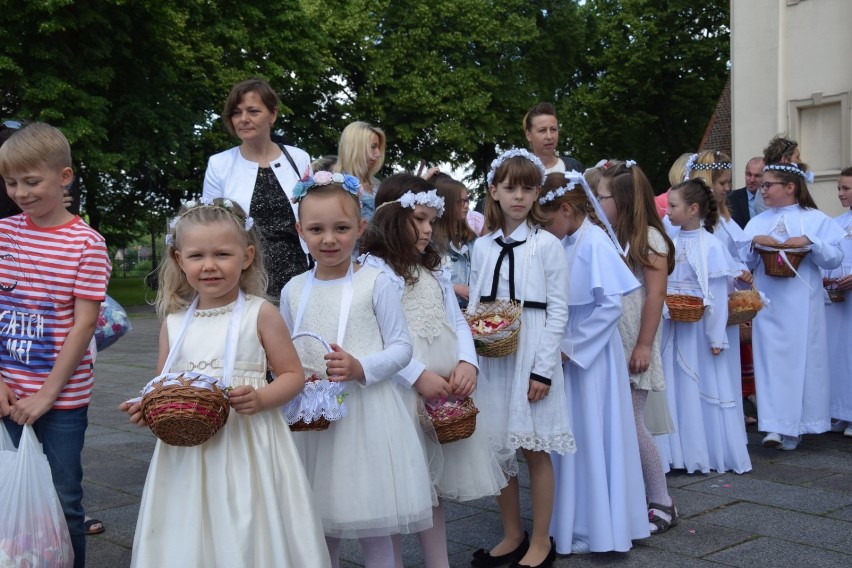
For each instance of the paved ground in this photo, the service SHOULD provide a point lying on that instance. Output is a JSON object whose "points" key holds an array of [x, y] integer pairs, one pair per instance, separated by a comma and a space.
{"points": [[793, 509]]}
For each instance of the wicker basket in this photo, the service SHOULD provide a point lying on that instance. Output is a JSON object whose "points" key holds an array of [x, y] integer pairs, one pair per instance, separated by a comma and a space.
{"points": [[456, 428], [773, 262], [835, 294], [743, 305], [503, 341], [685, 308], [321, 422], [185, 409]]}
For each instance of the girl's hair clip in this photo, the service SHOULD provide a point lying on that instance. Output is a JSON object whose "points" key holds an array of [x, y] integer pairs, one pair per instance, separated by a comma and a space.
{"points": [[193, 204], [793, 168], [629, 164], [349, 184], [411, 200], [513, 153]]}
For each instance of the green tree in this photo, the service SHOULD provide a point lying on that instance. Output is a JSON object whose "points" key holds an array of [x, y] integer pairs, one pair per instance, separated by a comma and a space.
{"points": [[653, 73]]}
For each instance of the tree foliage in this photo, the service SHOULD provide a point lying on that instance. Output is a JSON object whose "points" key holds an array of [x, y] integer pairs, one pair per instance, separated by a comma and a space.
{"points": [[137, 85]]}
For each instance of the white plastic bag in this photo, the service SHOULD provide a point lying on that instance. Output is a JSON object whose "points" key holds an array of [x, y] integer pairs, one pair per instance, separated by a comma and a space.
{"points": [[33, 533]]}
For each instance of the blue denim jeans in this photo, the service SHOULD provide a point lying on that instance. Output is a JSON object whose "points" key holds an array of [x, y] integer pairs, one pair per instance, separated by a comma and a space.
{"points": [[61, 433]]}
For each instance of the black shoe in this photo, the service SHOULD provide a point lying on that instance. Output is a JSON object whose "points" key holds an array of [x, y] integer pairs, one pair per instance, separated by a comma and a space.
{"points": [[546, 563], [483, 559]]}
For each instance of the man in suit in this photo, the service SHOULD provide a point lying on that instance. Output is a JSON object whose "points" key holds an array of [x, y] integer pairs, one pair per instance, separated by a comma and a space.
{"points": [[742, 201]]}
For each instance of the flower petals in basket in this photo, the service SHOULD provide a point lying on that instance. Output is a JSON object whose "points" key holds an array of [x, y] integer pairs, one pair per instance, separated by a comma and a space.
{"points": [[835, 294], [743, 305], [685, 308], [321, 401], [453, 420], [185, 409], [774, 263], [495, 327]]}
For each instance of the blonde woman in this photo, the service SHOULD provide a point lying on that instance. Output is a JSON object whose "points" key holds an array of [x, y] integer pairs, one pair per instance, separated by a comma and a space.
{"points": [[361, 153]]}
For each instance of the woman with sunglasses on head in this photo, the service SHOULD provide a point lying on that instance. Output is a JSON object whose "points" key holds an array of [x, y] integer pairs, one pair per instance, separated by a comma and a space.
{"points": [[790, 338]]}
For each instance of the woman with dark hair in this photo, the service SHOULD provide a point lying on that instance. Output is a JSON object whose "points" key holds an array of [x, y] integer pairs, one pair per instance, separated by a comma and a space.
{"points": [[542, 131], [259, 175]]}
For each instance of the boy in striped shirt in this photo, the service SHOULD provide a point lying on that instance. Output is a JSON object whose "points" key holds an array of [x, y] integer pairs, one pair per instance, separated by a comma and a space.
{"points": [[54, 270]]}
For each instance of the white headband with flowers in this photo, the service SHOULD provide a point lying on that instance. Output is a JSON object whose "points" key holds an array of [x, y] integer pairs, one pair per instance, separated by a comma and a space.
{"points": [[513, 153], [793, 168], [349, 183], [192, 204], [411, 200]]}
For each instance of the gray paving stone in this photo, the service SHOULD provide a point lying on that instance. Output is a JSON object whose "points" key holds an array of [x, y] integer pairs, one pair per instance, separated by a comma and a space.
{"points": [[98, 497], [697, 538], [690, 503], [772, 493], [775, 553], [836, 482], [680, 478], [783, 473], [812, 530], [845, 513], [833, 460], [103, 553]]}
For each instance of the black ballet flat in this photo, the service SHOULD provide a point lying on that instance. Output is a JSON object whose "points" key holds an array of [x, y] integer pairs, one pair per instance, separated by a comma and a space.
{"points": [[483, 559], [546, 563]]}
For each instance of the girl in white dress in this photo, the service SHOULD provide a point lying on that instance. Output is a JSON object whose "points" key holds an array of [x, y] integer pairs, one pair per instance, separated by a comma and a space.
{"points": [[714, 167], [839, 318], [627, 200], [444, 364], [600, 496], [368, 470], [709, 426], [790, 338], [241, 498], [521, 394]]}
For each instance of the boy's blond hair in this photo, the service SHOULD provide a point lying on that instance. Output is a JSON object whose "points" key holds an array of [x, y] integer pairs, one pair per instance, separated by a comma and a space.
{"points": [[36, 145]]}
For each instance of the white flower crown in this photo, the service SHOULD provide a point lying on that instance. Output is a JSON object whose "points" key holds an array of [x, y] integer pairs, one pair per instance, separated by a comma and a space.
{"points": [[411, 200], [557, 193], [515, 152], [793, 168]]}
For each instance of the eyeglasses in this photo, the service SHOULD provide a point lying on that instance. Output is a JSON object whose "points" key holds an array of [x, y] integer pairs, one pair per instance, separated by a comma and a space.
{"points": [[767, 184], [13, 124]]}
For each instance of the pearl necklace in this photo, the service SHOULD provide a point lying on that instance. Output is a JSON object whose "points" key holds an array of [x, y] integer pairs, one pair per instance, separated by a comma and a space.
{"points": [[211, 313]]}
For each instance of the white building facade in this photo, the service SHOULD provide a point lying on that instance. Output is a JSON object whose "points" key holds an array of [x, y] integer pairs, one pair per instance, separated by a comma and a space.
{"points": [[791, 74]]}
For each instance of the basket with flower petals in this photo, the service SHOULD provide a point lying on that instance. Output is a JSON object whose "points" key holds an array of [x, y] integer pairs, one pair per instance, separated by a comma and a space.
{"points": [[495, 327], [453, 420], [835, 294], [743, 305], [321, 401]]}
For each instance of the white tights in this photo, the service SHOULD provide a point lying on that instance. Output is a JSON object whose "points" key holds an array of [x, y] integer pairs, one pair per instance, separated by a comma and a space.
{"points": [[378, 551]]}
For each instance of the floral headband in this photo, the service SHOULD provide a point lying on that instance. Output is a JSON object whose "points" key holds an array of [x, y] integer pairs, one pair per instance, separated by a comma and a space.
{"points": [[574, 177], [513, 153], [349, 183], [411, 200], [793, 168], [691, 166], [192, 204]]}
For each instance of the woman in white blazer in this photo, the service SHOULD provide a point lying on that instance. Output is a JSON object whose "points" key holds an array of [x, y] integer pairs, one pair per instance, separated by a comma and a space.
{"points": [[259, 175]]}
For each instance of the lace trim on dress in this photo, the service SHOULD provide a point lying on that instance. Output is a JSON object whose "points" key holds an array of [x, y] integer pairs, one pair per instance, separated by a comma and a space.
{"points": [[559, 443]]}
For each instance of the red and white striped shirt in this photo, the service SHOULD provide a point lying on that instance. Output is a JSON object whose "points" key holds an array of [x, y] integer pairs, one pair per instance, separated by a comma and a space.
{"points": [[42, 271]]}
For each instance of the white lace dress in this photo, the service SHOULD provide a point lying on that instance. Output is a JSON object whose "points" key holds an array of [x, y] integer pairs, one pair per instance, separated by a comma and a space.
{"points": [[540, 271], [240, 499], [470, 469], [657, 416], [368, 470]]}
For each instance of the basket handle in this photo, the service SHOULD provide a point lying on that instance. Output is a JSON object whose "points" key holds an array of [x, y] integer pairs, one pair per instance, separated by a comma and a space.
{"points": [[316, 336]]}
